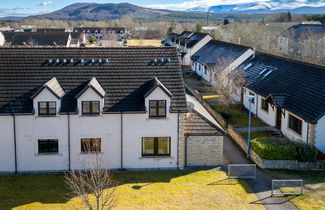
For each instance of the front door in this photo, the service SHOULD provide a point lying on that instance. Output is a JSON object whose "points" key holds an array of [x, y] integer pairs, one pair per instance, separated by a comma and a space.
{"points": [[278, 118]]}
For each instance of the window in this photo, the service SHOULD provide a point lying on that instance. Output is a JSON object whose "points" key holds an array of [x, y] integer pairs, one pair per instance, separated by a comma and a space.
{"points": [[157, 108], [47, 108], [205, 70], [156, 146], [48, 146], [295, 124], [265, 105], [90, 107], [89, 145], [252, 94]]}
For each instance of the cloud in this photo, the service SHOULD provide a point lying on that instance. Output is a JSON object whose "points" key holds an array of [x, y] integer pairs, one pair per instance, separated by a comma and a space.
{"points": [[17, 11], [46, 3]]}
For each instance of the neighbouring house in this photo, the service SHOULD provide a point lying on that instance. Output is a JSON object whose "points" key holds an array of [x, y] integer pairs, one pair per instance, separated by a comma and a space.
{"points": [[44, 30], [296, 40], [188, 43], [60, 106], [227, 55], [289, 95], [102, 32], [77, 39], [36, 39]]}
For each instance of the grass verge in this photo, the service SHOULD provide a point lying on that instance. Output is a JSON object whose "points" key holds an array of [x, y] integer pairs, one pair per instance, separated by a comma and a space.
{"points": [[152, 190]]}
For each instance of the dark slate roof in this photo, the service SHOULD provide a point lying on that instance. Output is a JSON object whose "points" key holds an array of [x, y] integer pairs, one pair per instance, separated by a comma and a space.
{"points": [[300, 29], [39, 39], [190, 38], [99, 29], [215, 50], [296, 86], [42, 30], [196, 123], [124, 77]]}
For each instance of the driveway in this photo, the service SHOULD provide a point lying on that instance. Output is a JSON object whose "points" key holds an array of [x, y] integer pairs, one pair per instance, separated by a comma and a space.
{"points": [[262, 185]]}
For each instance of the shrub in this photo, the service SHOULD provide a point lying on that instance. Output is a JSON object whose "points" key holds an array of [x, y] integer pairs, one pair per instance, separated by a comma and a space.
{"points": [[268, 148]]}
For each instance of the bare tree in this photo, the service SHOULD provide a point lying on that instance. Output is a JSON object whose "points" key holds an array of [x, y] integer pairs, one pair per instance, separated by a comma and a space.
{"points": [[94, 182], [228, 81]]}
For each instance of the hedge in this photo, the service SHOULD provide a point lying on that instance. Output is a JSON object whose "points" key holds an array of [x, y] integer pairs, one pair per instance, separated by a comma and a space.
{"points": [[268, 148]]}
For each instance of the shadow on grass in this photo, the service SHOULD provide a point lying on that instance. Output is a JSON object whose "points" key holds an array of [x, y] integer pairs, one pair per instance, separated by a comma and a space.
{"points": [[18, 190], [225, 182], [269, 200]]}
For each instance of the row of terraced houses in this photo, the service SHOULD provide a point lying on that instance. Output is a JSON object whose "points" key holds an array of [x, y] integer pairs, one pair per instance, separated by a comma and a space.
{"points": [[289, 94]]}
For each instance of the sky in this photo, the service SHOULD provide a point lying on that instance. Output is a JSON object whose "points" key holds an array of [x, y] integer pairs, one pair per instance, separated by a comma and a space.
{"points": [[32, 7]]}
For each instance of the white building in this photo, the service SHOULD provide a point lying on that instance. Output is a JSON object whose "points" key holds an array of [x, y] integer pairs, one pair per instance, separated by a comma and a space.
{"points": [[289, 95], [59, 107], [187, 44], [217, 56]]}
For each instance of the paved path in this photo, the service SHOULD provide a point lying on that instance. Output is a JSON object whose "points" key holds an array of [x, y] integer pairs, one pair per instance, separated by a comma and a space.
{"points": [[258, 129], [262, 185]]}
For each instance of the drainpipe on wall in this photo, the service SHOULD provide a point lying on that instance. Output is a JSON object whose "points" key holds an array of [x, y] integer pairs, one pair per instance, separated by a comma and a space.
{"points": [[185, 164], [69, 143], [307, 140], [256, 105], [121, 140], [15, 142]]}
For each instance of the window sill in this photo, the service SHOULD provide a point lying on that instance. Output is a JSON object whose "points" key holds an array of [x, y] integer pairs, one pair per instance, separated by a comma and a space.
{"points": [[157, 118], [156, 157], [295, 132], [47, 115], [90, 153], [48, 154], [90, 115]]}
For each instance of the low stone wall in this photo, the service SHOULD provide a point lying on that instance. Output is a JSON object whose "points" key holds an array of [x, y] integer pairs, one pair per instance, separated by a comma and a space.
{"points": [[213, 113], [204, 150], [273, 164]]}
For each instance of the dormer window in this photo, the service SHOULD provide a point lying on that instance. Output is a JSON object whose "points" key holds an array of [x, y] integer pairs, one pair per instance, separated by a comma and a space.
{"points": [[90, 107], [47, 108], [157, 108]]}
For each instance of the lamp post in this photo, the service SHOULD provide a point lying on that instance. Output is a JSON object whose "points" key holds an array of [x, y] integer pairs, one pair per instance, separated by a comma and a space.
{"points": [[250, 99]]}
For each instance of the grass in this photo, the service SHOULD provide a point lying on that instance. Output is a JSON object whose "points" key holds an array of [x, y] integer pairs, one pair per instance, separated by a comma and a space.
{"points": [[237, 117], [314, 187], [144, 42], [152, 190], [256, 134]]}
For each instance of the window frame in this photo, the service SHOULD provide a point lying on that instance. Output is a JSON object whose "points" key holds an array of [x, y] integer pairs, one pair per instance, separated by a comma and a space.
{"points": [[48, 153], [293, 125], [90, 108], [155, 147], [47, 108], [157, 109], [84, 151], [264, 105]]}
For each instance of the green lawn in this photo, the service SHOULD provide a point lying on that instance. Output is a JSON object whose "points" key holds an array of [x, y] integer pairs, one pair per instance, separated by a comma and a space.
{"points": [[152, 190], [237, 117], [314, 187]]}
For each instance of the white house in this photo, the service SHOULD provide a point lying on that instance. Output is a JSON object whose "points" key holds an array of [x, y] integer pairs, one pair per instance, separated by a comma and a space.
{"points": [[59, 107], [216, 56], [187, 44], [289, 95]]}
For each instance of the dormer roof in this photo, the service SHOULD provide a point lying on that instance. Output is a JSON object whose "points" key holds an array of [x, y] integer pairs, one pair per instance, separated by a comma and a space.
{"points": [[154, 83], [53, 86], [93, 84]]}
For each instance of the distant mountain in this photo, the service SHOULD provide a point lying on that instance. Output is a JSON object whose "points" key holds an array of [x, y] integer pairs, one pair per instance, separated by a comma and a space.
{"points": [[267, 7], [93, 11]]}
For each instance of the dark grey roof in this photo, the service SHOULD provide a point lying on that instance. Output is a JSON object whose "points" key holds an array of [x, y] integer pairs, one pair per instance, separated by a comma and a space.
{"points": [[298, 30], [99, 29], [124, 77], [190, 38], [36, 38], [42, 30], [215, 50], [296, 86]]}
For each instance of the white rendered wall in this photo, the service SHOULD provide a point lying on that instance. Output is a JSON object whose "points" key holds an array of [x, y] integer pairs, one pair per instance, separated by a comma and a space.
{"points": [[291, 134], [7, 152], [267, 117], [2, 39], [192, 51], [136, 126], [320, 134]]}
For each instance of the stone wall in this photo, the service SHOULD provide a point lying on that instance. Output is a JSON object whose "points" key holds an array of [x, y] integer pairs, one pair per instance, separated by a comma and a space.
{"points": [[312, 133], [274, 164], [181, 141], [204, 150]]}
